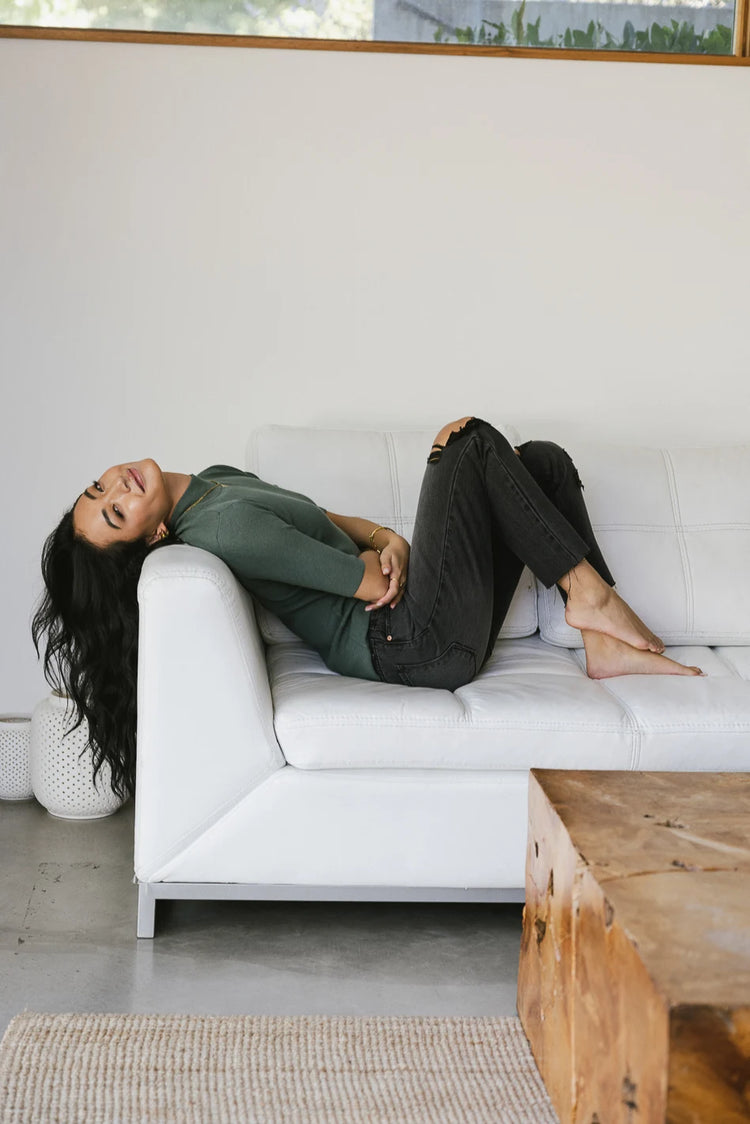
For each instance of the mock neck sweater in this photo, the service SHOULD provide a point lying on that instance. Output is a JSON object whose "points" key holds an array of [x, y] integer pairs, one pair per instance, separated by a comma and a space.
{"points": [[283, 548]]}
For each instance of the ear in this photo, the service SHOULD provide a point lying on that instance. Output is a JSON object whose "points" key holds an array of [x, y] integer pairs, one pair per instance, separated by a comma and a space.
{"points": [[160, 533]]}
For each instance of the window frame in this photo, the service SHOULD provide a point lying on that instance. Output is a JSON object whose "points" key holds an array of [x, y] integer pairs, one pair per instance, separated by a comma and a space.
{"points": [[740, 54]]}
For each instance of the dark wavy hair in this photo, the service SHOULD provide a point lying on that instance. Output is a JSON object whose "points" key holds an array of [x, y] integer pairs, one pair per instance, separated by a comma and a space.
{"points": [[89, 615]]}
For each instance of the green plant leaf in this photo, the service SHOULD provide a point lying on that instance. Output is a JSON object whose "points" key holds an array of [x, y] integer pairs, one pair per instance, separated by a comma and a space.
{"points": [[658, 38], [674, 37]]}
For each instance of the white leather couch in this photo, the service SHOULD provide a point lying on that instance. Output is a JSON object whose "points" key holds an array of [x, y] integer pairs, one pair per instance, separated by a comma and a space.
{"points": [[262, 774]]}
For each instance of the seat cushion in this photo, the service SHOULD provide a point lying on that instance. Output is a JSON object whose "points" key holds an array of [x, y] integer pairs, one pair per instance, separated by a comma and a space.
{"points": [[689, 723], [531, 706], [674, 527]]}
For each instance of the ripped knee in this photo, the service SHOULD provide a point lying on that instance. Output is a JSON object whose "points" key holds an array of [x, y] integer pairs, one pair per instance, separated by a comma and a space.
{"points": [[446, 434]]}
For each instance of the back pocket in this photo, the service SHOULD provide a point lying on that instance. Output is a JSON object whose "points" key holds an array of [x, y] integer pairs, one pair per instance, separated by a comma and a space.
{"points": [[453, 668]]}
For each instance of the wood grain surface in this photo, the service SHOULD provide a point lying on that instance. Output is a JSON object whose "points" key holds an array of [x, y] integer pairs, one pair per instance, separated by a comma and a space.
{"points": [[634, 980]]}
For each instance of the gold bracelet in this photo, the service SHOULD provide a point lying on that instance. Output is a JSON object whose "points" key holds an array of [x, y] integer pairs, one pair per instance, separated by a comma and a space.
{"points": [[371, 536]]}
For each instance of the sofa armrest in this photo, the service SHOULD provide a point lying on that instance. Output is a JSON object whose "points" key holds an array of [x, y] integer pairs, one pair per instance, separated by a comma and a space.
{"points": [[205, 714]]}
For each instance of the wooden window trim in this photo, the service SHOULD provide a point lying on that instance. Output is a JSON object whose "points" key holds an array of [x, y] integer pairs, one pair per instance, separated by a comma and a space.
{"points": [[741, 56], [742, 30]]}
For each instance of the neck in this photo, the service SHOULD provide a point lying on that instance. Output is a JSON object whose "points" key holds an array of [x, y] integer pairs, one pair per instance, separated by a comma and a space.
{"points": [[176, 483]]}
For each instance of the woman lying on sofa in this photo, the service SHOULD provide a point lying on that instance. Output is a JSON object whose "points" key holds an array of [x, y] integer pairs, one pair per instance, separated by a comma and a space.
{"points": [[425, 616]]}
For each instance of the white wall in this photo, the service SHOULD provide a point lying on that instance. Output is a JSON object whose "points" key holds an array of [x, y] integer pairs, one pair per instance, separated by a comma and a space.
{"points": [[197, 240]]}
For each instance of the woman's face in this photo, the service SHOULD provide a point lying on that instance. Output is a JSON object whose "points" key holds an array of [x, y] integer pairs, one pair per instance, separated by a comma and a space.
{"points": [[126, 503]]}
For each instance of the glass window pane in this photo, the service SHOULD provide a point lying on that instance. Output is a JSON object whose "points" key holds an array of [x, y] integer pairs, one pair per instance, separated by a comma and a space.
{"points": [[671, 26]]}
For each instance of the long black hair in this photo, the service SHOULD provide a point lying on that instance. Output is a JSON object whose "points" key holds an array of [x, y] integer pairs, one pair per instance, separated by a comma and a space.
{"points": [[89, 614]]}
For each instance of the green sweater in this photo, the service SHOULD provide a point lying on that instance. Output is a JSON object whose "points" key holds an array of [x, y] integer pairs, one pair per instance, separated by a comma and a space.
{"points": [[284, 550]]}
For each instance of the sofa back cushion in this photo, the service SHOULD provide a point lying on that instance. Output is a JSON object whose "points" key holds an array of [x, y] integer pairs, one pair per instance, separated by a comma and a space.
{"points": [[674, 527], [375, 474]]}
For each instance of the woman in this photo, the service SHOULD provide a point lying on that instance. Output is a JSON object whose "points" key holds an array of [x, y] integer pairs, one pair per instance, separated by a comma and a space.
{"points": [[355, 591]]}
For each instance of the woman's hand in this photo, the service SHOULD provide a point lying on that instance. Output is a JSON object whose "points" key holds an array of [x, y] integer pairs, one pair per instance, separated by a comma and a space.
{"points": [[394, 564], [384, 579]]}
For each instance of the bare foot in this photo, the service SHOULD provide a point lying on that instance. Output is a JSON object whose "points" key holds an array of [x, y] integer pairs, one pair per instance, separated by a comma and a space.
{"points": [[592, 604], [606, 657]]}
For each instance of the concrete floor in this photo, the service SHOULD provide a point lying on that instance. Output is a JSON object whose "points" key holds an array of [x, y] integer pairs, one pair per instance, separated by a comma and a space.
{"points": [[67, 941]]}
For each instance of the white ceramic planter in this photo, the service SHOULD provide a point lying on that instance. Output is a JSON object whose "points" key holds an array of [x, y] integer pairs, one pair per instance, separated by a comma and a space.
{"points": [[61, 766], [15, 766]]}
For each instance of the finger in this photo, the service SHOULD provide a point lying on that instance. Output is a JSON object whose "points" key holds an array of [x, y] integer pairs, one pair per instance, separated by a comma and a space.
{"points": [[386, 598], [400, 594], [392, 591]]}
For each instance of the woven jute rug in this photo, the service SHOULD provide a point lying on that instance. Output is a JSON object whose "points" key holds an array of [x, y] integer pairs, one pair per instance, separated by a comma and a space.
{"points": [[187, 1069]]}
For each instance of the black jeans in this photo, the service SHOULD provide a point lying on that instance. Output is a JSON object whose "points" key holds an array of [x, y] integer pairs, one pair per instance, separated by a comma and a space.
{"points": [[483, 513]]}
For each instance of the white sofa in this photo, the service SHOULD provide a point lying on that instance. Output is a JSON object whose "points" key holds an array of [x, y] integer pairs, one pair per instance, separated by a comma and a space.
{"points": [[262, 774]]}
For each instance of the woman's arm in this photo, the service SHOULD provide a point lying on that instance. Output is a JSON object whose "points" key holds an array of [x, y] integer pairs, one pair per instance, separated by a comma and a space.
{"points": [[375, 585], [359, 530], [386, 558]]}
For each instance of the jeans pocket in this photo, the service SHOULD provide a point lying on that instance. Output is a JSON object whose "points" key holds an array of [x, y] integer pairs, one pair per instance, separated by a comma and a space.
{"points": [[453, 668]]}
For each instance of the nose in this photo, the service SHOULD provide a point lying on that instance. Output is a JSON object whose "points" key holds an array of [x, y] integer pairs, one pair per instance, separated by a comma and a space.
{"points": [[119, 487]]}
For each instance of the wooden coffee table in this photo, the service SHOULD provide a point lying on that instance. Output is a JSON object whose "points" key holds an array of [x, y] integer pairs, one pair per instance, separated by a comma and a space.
{"points": [[634, 981]]}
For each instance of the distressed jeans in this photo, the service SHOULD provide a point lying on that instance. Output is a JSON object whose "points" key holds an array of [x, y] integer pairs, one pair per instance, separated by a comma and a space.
{"points": [[483, 513]]}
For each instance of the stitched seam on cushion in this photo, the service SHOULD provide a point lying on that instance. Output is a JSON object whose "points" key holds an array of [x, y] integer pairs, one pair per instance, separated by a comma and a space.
{"points": [[195, 571], [303, 722], [551, 633], [677, 639], [544, 613], [420, 776], [395, 482], [664, 528], [681, 639], [673, 728], [675, 636], [353, 766], [448, 765], [393, 475], [680, 531], [635, 730], [725, 663]]}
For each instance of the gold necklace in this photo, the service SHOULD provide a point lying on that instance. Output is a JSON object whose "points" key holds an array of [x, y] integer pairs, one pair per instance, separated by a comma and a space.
{"points": [[214, 485]]}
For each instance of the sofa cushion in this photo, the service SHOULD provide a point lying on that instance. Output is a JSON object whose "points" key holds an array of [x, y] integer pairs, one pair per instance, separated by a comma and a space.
{"points": [[689, 723], [674, 526], [532, 705], [358, 472]]}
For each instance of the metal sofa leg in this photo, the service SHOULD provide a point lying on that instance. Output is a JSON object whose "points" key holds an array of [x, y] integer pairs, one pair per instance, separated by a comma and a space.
{"points": [[146, 911]]}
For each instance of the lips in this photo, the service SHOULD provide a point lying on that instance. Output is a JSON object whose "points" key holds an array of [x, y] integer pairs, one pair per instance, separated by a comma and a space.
{"points": [[137, 477]]}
